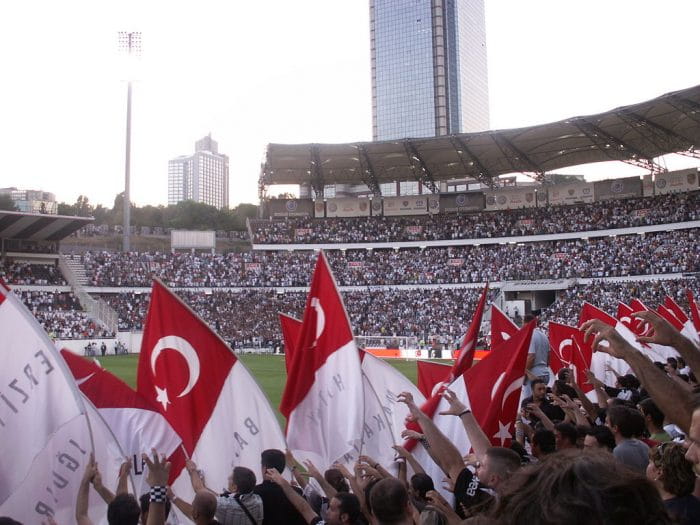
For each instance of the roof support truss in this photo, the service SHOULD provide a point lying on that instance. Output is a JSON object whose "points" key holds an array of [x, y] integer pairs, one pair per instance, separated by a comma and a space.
{"points": [[367, 174], [661, 137], [690, 108], [470, 162], [317, 182], [615, 148], [511, 153], [419, 168]]}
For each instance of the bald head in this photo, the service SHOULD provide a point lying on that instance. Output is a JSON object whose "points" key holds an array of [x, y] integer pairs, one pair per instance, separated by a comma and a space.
{"points": [[204, 506]]}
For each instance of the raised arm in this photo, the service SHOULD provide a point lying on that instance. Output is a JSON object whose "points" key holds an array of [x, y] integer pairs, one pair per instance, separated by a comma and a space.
{"points": [[671, 398], [441, 449], [103, 491], [410, 459], [158, 473], [478, 439], [316, 474], [82, 502], [123, 479], [295, 499], [181, 504], [296, 468], [665, 334]]}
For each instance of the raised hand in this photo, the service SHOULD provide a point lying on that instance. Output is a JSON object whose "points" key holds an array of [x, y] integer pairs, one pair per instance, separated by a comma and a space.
{"points": [[158, 469], [664, 333], [456, 406]]}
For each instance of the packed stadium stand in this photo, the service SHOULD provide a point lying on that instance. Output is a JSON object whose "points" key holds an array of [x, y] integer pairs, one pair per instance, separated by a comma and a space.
{"points": [[411, 266]]}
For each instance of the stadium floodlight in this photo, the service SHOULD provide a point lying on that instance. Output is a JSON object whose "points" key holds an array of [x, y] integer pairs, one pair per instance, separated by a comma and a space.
{"points": [[130, 44]]}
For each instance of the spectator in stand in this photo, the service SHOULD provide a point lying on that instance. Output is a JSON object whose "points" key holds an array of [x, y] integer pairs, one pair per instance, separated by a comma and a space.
{"points": [[628, 450], [675, 480]]}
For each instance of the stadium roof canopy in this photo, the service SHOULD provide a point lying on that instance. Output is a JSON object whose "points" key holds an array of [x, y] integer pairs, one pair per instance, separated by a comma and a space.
{"points": [[38, 227], [635, 134]]}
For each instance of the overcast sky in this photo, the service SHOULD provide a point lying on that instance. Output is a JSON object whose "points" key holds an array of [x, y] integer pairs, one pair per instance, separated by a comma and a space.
{"points": [[289, 71]]}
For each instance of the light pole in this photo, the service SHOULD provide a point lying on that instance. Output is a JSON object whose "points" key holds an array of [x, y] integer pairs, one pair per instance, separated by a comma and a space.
{"points": [[129, 42]]}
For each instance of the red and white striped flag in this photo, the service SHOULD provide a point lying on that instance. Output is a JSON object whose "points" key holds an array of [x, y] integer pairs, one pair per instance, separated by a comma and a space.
{"points": [[204, 391], [135, 420], [323, 399]]}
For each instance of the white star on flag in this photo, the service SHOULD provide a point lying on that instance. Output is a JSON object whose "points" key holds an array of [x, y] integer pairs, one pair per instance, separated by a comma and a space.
{"points": [[162, 397], [503, 432]]}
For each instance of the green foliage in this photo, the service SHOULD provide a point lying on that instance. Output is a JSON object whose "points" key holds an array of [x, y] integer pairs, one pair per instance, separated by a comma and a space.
{"points": [[186, 215]]}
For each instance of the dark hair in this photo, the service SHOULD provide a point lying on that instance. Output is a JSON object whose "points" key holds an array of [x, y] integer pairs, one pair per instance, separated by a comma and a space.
{"points": [[672, 362], [244, 479], [4, 520], [145, 501], [503, 461], [528, 317], [123, 510], [677, 475], [368, 491], [626, 420], [649, 408], [350, 505], [389, 500], [422, 483], [568, 431], [629, 381], [603, 435], [537, 381], [545, 440], [336, 480], [273, 458], [575, 487]]}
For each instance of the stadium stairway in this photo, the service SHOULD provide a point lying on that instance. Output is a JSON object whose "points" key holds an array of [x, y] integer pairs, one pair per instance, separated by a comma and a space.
{"points": [[98, 309]]}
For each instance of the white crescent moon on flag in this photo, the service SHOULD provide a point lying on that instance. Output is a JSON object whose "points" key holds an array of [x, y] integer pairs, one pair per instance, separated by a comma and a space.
{"points": [[184, 348], [497, 384], [320, 317], [515, 385], [564, 343]]}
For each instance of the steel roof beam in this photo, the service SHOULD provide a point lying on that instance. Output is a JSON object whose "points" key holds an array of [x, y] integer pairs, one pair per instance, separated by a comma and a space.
{"points": [[689, 108], [469, 160], [317, 181], [510, 152], [670, 139], [419, 168], [615, 148], [367, 174]]}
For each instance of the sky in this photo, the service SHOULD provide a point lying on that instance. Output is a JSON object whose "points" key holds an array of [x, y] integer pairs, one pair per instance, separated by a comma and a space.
{"points": [[290, 71]]}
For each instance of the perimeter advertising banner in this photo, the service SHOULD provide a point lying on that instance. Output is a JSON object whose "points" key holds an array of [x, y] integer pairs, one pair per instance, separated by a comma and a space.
{"points": [[347, 208], [574, 193], [676, 181], [319, 209], [409, 205], [290, 207], [461, 202], [618, 188], [510, 199]]}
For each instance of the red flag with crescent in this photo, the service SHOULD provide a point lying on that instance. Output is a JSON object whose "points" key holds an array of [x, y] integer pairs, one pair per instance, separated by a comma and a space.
{"points": [[502, 327]]}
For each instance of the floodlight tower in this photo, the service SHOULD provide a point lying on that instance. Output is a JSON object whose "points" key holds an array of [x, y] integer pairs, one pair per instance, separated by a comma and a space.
{"points": [[129, 43]]}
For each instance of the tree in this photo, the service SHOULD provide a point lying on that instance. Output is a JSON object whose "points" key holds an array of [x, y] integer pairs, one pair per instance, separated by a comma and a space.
{"points": [[6, 203]]}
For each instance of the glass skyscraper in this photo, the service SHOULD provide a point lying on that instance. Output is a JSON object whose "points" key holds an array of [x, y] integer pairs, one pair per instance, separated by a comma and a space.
{"points": [[429, 71]]}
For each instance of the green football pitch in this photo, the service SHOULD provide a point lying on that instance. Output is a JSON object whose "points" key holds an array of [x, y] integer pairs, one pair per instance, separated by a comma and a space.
{"points": [[268, 370]]}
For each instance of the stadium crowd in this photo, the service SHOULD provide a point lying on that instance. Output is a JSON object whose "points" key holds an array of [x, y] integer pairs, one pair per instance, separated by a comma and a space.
{"points": [[62, 315], [653, 253], [26, 273], [486, 224], [629, 455]]}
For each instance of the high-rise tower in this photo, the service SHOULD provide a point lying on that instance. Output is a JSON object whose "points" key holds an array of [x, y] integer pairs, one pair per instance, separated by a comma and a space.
{"points": [[202, 177], [429, 71]]}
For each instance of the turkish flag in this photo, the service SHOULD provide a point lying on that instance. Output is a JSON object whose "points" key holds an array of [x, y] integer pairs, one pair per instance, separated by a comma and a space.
{"points": [[491, 388], [383, 416], [431, 374], [468, 347], [694, 312], [206, 394], [323, 398], [502, 327], [687, 326], [568, 352], [291, 328], [134, 420]]}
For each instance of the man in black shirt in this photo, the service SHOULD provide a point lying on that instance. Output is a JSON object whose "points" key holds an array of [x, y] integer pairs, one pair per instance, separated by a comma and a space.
{"points": [[277, 509], [539, 398]]}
